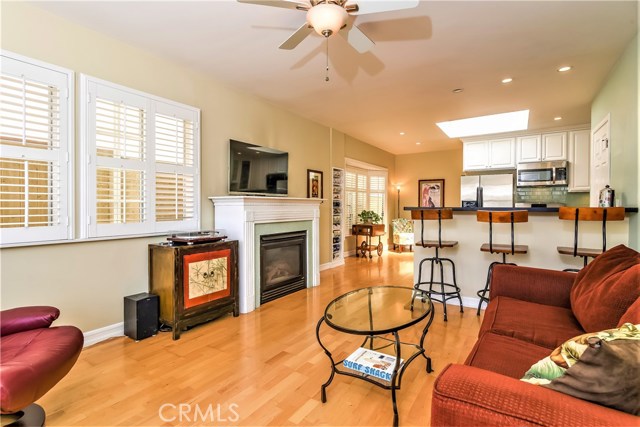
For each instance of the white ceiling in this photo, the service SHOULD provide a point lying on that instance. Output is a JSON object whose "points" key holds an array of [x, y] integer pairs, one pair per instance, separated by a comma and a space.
{"points": [[405, 83]]}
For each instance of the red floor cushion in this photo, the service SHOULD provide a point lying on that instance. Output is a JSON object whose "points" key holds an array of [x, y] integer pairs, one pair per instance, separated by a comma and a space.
{"points": [[505, 355], [544, 325]]}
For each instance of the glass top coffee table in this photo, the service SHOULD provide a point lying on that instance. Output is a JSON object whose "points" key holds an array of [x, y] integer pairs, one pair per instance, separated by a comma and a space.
{"points": [[375, 312]]}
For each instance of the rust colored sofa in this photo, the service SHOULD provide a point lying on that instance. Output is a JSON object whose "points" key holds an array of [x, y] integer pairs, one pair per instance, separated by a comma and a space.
{"points": [[532, 311]]}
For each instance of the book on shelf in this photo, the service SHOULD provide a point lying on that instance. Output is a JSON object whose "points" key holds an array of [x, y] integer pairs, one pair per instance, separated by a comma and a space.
{"points": [[372, 363]]}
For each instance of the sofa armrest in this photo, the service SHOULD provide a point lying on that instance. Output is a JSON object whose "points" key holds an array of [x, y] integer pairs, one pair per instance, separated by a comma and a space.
{"points": [[26, 318], [465, 395], [548, 287]]}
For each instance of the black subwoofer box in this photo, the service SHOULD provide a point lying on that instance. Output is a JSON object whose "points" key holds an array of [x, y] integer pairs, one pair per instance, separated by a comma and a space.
{"points": [[141, 315]]}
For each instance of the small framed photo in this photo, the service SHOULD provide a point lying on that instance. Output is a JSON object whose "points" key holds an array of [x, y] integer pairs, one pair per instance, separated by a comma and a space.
{"points": [[431, 193], [314, 184]]}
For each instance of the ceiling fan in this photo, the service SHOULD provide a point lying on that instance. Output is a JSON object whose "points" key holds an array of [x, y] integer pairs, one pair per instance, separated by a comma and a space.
{"points": [[328, 17]]}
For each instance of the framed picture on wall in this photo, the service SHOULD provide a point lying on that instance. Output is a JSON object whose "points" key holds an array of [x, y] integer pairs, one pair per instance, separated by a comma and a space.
{"points": [[431, 193], [314, 184]]}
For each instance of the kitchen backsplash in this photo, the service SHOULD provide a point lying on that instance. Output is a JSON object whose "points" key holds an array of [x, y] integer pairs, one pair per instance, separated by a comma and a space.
{"points": [[541, 195], [551, 195]]}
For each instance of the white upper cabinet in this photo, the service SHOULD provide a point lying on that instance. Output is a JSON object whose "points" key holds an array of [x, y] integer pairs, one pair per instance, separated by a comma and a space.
{"points": [[529, 148], [502, 153], [542, 148], [579, 160], [475, 155], [489, 154], [554, 146]]}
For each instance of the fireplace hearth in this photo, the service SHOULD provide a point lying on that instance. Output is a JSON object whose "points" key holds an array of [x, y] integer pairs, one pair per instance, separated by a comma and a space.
{"points": [[283, 264]]}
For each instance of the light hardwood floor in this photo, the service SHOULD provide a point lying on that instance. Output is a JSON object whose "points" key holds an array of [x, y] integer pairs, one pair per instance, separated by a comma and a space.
{"points": [[262, 368]]}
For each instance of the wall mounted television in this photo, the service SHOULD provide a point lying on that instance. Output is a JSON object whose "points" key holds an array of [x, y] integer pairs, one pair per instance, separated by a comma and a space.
{"points": [[257, 170]]}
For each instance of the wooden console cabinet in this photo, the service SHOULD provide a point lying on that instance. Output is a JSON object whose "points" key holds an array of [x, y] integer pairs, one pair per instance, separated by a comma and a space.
{"points": [[195, 283]]}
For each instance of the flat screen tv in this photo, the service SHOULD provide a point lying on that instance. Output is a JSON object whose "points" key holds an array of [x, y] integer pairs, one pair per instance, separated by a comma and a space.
{"points": [[257, 170]]}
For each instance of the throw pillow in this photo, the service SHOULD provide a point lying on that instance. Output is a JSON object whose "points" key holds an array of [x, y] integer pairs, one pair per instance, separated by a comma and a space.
{"points": [[600, 367], [606, 288]]}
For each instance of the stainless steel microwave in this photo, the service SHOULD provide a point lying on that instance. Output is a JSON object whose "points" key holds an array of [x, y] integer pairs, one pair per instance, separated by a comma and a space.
{"points": [[542, 174]]}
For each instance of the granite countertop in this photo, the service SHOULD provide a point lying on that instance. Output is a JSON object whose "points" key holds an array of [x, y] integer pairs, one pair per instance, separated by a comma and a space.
{"points": [[541, 210]]}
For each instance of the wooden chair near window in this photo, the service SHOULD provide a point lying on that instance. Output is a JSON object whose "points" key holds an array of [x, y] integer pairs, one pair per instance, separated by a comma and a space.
{"points": [[500, 217], [587, 214]]}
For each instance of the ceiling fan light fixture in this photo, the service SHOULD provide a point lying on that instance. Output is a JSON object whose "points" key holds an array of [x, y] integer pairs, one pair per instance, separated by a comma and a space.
{"points": [[327, 18]]}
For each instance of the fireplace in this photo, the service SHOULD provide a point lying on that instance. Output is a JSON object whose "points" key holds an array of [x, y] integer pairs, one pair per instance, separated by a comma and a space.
{"points": [[283, 264]]}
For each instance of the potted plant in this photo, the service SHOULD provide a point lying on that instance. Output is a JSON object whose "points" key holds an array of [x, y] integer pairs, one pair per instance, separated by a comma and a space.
{"points": [[369, 217]]}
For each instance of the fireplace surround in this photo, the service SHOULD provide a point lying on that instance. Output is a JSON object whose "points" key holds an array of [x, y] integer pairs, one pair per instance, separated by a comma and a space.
{"points": [[246, 218]]}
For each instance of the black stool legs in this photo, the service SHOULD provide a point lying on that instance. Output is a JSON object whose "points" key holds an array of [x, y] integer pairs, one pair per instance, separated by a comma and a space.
{"points": [[482, 293], [444, 295]]}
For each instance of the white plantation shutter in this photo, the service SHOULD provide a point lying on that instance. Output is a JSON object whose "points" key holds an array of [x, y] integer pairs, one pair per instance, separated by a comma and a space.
{"points": [[377, 192], [176, 188], [364, 190], [35, 141], [142, 162]]}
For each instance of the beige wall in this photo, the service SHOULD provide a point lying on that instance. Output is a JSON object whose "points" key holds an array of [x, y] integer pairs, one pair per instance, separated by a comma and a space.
{"points": [[619, 97], [345, 146], [410, 168]]}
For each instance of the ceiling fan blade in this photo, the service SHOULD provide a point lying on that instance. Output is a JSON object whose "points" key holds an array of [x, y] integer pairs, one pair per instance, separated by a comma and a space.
{"points": [[287, 4], [357, 39], [376, 6], [295, 38]]}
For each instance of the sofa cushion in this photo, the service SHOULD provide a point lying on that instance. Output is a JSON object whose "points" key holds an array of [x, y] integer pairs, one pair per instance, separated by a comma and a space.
{"points": [[606, 288], [543, 325], [504, 355], [632, 315]]}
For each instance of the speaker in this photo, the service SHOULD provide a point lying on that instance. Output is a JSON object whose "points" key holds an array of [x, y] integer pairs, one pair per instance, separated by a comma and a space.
{"points": [[141, 315]]}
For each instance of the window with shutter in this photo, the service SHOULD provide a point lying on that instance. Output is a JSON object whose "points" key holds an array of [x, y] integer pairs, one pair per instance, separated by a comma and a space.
{"points": [[35, 141], [142, 162], [364, 190]]}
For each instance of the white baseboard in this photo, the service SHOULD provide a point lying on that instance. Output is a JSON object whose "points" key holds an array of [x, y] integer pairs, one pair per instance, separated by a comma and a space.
{"points": [[472, 302], [101, 334], [332, 264]]}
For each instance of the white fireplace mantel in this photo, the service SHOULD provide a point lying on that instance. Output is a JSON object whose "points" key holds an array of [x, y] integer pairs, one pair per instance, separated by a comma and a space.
{"points": [[238, 215]]}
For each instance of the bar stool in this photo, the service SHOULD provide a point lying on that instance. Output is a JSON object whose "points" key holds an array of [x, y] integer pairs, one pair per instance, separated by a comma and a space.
{"points": [[447, 290], [500, 217], [587, 214]]}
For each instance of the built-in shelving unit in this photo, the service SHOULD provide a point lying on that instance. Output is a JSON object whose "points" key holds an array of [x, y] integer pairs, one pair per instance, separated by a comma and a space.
{"points": [[337, 200]]}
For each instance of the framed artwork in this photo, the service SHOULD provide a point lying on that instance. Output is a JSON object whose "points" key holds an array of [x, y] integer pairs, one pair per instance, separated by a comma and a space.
{"points": [[206, 277], [314, 184], [431, 193]]}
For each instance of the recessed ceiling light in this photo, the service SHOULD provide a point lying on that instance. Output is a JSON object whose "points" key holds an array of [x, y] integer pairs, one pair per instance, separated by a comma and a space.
{"points": [[401, 133], [484, 125], [458, 90], [507, 80], [565, 68], [418, 143], [557, 118]]}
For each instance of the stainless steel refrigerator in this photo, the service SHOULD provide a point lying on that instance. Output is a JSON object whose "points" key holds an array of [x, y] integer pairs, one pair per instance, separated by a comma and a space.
{"points": [[497, 190]]}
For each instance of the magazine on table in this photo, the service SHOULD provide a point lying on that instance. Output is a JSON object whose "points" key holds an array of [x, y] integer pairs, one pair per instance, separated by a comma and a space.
{"points": [[373, 363]]}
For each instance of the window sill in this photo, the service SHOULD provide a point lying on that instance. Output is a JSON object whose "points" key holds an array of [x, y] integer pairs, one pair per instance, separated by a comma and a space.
{"points": [[87, 240]]}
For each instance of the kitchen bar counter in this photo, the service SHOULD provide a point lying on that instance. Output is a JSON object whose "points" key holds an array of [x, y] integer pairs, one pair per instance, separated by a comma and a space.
{"points": [[542, 210], [543, 234]]}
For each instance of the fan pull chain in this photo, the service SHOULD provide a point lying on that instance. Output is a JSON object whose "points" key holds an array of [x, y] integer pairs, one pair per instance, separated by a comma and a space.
{"points": [[326, 78]]}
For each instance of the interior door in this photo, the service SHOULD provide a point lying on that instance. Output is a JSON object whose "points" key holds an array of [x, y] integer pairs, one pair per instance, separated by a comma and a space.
{"points": [[600, 160]]}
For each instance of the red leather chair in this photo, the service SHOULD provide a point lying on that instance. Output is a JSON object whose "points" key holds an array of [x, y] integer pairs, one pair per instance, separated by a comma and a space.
{"points": [[33, 358]]}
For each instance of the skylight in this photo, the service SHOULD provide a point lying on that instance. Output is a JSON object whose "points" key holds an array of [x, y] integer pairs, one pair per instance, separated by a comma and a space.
{"points": [[484, 125]]}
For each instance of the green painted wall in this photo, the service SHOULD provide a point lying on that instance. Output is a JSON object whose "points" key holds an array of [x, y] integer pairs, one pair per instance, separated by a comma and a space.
{"points": [[619, 97]]}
